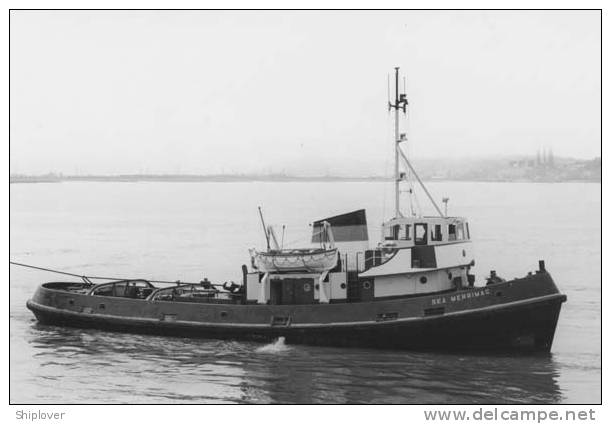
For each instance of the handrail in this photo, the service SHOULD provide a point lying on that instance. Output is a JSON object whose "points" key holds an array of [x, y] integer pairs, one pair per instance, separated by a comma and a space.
{"points": [[151, 296], [113, 283]]}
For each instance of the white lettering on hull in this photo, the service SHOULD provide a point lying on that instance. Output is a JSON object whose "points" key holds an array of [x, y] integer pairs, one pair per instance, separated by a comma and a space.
{"points": [[460, 297]]}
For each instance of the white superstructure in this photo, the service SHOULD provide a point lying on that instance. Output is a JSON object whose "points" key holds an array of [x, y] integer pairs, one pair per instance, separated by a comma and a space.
{"points": [[417, 254]]}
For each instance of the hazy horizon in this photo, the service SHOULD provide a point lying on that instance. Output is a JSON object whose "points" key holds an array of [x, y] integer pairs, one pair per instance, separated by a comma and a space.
{"points": [[425, 162], [207, 92]]}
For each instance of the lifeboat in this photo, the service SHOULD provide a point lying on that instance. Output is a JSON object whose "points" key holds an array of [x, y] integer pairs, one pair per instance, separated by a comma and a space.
{"points": [[308, 260]]}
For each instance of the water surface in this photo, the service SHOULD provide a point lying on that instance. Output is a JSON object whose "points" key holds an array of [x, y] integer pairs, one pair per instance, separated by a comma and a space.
{"points": [[186, 231]]}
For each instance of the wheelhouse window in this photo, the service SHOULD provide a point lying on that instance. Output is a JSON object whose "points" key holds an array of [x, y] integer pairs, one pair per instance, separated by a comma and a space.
{"points": [[404, 232], [391, 232], [420, 233], [460, 232], [436, 233], [451, 232], [467, 227], [395, 231], [387, 233]]}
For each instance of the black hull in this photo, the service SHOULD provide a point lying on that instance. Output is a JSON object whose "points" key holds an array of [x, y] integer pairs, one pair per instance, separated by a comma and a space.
{"points": [[519, 315], [529, 327]]}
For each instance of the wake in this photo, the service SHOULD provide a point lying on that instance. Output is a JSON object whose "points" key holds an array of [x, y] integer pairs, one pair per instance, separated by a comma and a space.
{"points": [[276, 347]]}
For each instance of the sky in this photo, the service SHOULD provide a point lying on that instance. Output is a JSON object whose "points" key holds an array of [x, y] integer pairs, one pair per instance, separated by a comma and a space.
{"points": [[304, 93]]}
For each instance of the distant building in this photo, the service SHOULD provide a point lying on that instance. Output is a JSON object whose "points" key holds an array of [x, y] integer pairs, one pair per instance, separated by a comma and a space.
{"points": [[550, 158], [545, 158]]}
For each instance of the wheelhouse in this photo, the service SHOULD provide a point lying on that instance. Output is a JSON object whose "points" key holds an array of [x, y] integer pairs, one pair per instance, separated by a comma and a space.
{"points": [[404, 232]]}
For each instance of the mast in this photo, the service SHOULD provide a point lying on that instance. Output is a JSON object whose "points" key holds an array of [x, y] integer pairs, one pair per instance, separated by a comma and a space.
{"points": [[264, 228], [400, 103]]}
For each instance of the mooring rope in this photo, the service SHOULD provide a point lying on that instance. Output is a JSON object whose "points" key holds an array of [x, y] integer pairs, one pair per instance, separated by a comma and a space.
{"points": [[91, 277]]}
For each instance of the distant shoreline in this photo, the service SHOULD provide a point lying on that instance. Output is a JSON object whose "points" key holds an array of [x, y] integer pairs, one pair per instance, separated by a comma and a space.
{"points": [[22, 179]]}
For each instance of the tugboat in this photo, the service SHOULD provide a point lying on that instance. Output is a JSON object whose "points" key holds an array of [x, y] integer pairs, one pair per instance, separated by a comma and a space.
{"points": [[413, 290]]}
